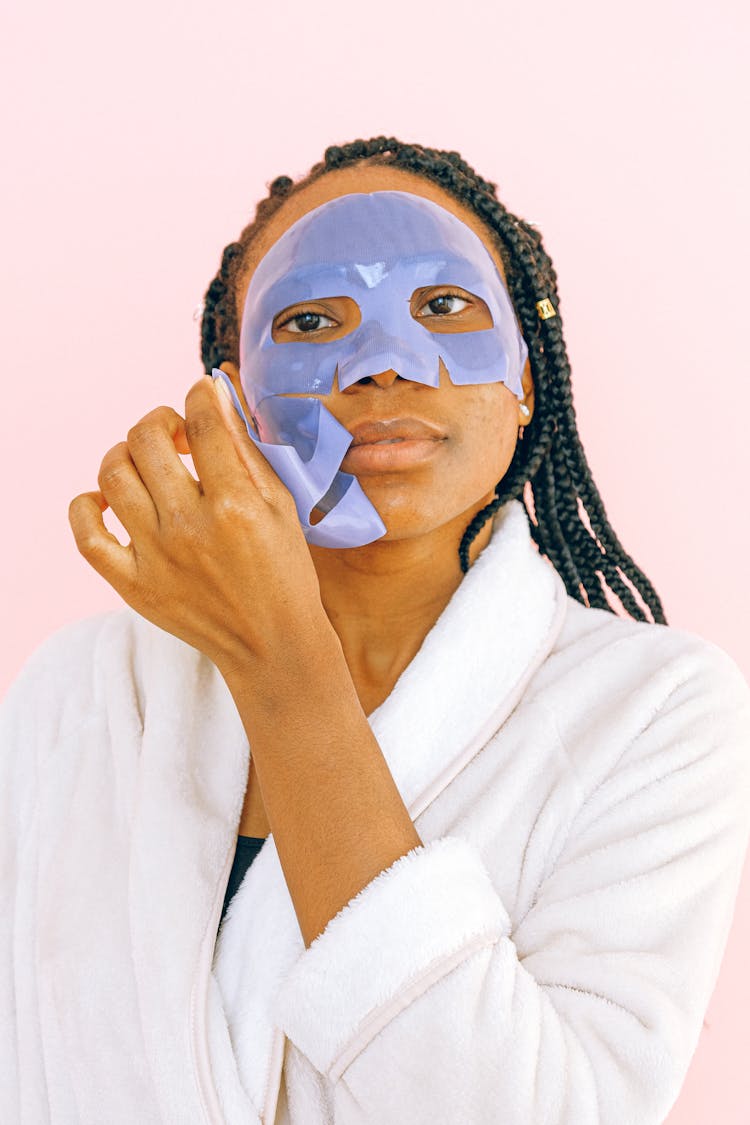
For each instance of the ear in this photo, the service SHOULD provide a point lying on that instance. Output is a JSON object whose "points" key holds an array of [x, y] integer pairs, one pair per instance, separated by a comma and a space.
{"points": [[233, 372], [527, 383]]}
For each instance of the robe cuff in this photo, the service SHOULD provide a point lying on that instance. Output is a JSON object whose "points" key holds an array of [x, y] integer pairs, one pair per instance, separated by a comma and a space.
{"points": [[414, 922]]}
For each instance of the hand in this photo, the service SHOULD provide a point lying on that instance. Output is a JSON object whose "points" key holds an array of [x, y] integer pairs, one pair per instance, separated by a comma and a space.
{"points": [[220, 562]]}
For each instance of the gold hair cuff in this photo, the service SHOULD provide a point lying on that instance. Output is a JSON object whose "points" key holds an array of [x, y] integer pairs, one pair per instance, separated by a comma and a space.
{"points": [[545, 308]]}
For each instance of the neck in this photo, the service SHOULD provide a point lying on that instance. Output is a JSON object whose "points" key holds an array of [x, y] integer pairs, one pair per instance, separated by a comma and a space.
{"points": [[383, 599]]}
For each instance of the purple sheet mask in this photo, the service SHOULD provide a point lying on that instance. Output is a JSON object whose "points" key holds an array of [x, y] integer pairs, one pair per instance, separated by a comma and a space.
{"points": [[305, 446], [376, 249]]}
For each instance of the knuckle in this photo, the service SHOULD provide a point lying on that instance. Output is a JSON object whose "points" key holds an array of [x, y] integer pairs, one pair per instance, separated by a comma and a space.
{"points": [[113, 467], [89, 545], [177, 526], [198, 424], [285, 501], [111, 479], [156, 419], [229, 508], [142, 432], [276, 496], [88, 542], [271, 496]]}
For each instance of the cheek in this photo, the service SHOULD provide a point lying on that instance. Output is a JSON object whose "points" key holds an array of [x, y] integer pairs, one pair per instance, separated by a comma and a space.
{"points": [[486, 436]]}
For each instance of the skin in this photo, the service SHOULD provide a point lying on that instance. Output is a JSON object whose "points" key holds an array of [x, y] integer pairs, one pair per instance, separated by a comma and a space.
{"points": [[308, 640]]}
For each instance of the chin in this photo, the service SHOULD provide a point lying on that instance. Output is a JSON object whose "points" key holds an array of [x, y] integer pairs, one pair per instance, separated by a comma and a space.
{"points": [[412, 508], [409, 521]]}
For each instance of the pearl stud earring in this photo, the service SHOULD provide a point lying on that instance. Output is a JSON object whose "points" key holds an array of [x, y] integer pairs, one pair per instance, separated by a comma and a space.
{"points": [[524, 410]]}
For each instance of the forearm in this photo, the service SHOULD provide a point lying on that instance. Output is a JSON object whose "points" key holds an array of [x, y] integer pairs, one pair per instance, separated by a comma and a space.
{"points": [[335, 812]]}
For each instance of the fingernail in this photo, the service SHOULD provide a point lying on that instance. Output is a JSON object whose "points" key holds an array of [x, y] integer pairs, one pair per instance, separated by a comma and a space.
{"points": [[225, 398], [223, 388]]}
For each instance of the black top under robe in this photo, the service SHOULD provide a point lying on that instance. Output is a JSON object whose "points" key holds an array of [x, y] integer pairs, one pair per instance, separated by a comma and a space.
{"points": [[247, 849]]}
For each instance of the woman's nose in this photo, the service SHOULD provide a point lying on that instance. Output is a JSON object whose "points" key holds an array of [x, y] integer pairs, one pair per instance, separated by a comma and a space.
{"points": [[382, 379]]}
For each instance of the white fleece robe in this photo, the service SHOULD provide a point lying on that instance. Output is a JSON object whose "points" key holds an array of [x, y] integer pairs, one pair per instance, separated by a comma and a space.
{"points": [[581, 785]]}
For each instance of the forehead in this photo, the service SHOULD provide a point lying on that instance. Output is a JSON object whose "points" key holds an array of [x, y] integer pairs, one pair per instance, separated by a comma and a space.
{"points": [[347, 181], [364, 240]]}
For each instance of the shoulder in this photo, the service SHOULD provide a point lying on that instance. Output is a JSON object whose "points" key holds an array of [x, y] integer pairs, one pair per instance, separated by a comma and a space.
{"points": [[60, 671], [77, 724], [616, 651], [85, 670], [622, 692]]}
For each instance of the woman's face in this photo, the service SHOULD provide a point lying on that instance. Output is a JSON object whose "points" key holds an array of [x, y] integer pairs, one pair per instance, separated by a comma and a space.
{"points": [[461, 438]]}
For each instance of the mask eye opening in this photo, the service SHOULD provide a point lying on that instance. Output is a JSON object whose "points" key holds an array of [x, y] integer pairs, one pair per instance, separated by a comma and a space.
{"points": [[473, 316], [340, 316]]}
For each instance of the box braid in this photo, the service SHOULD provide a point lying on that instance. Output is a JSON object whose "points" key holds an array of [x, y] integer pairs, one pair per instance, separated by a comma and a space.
{"points": [[549, 471]]}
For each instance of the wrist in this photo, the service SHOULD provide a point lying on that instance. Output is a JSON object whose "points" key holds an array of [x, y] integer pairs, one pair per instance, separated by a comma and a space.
{"points": [[292, 656]]}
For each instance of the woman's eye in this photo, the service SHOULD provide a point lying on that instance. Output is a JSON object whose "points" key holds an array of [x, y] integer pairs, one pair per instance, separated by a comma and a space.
{"points": [[444, 303], [307, 322]]}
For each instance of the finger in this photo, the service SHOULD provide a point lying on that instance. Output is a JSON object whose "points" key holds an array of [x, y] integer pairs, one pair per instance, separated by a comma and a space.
{"points": [[254, 462], [238, 417], [180, 438], [101, 549], [123, 489], [216, 448], [152, 445]]}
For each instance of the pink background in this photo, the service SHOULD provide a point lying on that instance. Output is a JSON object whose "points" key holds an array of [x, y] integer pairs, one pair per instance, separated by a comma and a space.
{"points": [[140, 137]]}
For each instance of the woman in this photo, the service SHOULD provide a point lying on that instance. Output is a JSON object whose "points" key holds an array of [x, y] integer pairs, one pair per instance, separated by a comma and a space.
{"points": [[496, 829]]}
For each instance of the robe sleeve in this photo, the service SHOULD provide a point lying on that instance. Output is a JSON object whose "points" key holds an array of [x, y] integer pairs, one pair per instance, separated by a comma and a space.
{"points": [[23, 1084], [422, 1002], [42, 708]]}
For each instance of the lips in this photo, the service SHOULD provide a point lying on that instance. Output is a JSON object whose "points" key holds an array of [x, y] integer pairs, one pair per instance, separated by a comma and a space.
{"points": [[394, 430], [387, 446]]}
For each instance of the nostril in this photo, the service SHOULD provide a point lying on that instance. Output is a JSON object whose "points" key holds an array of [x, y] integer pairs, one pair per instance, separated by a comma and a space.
{"points": [[380, 379], [384, 378]]}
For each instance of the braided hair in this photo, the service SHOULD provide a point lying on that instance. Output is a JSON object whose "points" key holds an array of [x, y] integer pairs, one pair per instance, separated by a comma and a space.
{"points": [[549, 471]]}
